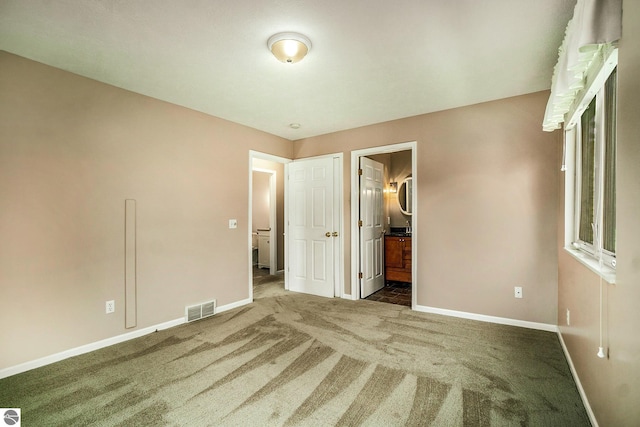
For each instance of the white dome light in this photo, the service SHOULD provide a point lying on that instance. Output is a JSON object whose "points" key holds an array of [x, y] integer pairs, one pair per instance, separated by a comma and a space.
{"points": [[289, 47]]}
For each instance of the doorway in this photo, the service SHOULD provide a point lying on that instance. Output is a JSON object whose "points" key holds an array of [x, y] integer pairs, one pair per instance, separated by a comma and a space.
{"points": [[287, 259], [266, 241], [264, 229], [398, 226]]}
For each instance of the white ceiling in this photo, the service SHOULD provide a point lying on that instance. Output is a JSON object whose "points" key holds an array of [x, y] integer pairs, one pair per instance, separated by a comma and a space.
{"points": [[371, 60]]}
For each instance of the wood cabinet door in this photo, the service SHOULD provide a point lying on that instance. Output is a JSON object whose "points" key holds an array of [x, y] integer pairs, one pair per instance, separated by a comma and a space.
{"points": [[397, 252], [406, 254], [393, 252]]}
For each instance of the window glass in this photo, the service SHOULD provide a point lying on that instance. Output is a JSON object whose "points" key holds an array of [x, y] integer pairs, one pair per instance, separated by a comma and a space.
{"points": [[609, 187], [587, 173]]}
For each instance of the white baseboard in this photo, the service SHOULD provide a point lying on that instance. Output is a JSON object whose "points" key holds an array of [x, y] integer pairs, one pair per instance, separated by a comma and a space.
{"points": [[484, 318], [583, 395], [47, 360], [233, 305]]}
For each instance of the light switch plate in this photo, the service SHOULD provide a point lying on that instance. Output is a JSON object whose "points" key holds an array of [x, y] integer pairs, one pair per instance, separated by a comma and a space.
{"points": [[233, 223]]}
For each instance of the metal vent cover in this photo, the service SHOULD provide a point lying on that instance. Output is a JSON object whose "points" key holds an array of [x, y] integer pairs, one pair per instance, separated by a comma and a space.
{"points": [[200, 311]]}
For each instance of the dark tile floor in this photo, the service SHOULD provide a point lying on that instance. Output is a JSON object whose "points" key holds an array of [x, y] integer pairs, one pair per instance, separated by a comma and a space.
{"points": [[394, 293]]}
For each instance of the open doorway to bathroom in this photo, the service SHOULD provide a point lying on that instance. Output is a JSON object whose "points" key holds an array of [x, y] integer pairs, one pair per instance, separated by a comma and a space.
{"points": [[383, 253], [266, 217], [264, 221]]}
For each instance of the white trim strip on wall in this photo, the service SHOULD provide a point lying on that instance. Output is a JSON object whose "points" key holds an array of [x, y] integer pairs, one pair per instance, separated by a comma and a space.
{"points": [[47, 360], [491, 319], [338, 215]]}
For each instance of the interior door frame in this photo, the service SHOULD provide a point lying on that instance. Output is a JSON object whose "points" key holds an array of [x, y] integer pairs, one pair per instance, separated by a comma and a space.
{"points": [[338, 215], [269, 157], [355, 205]]}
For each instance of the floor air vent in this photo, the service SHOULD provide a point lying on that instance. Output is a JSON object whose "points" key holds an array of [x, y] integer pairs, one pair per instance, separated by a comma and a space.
{"points": [[200, 311]]}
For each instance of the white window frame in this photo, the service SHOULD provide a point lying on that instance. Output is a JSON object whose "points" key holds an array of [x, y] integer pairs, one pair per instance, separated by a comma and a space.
{"points": [[601, 262]]}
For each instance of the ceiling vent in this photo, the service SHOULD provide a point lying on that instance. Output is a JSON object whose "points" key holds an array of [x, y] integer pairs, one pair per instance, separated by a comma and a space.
{"points": [[200, 311]]}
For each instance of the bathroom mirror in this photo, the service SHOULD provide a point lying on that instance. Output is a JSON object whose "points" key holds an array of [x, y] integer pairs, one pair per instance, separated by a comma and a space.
{"points": [[404, 196]]}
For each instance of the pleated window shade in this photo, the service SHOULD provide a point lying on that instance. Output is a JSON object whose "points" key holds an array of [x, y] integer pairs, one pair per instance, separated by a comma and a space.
{"points": [[595, 25]]}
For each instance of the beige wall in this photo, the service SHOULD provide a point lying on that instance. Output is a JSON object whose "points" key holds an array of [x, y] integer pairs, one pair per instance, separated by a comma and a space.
{"points": [[487, 197], [71, 151], [612, 385]]}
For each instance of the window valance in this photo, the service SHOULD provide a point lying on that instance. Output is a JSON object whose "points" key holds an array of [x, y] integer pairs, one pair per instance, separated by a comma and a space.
{"points": [[595, 24]]}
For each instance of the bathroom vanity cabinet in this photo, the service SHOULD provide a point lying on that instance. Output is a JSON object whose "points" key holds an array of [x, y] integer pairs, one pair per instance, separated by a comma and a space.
{"points": [[397, 258]]}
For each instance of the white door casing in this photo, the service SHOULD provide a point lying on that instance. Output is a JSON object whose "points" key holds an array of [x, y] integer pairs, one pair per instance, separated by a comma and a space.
{"points": [[313, 232], [355, 207], [372, 230]]}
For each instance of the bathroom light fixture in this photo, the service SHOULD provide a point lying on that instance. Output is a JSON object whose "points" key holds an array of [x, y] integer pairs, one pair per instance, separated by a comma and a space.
{"points": [[393, 187], [294, 125], [289, 47]]}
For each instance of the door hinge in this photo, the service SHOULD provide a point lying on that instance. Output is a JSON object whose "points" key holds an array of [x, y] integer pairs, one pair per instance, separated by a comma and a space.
{"points": [[360, 275], [359, 172], [359, 223]]}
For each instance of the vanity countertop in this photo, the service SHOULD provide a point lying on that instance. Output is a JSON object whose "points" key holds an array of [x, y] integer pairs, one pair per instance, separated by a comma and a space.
{"points": [[398, 232]]}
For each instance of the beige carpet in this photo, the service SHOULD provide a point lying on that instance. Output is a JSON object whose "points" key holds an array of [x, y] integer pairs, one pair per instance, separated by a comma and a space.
{"points": [[291, 359]]}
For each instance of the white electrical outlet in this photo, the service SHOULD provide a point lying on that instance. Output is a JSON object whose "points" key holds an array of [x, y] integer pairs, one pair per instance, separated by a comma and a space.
{"points": [[110, 306], [518, 291], [568, 317], [233, 223]]}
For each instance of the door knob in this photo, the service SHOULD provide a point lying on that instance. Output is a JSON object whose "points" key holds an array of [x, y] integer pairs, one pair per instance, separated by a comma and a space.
{"points": [[327, 234], [334, 234]]}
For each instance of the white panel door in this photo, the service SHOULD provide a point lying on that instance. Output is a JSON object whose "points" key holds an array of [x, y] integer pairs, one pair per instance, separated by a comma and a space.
{"points": [[372, 230], [311, 227]]}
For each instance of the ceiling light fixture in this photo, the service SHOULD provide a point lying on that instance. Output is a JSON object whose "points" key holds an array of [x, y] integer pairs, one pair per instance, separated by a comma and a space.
{"points": [[289, 47], [294, 125]]}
